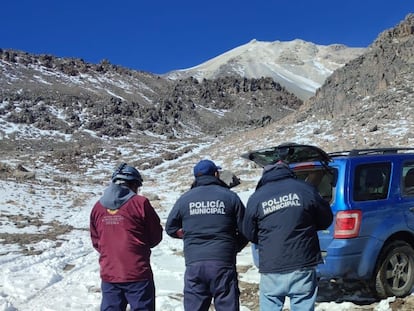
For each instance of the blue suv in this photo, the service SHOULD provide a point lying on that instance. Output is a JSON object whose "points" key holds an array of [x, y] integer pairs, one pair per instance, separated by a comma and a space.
{"points": [[371, 192]]}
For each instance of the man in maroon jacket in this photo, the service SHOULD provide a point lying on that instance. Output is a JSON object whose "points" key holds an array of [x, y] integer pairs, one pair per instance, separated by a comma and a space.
{"points": [[124, 227]]}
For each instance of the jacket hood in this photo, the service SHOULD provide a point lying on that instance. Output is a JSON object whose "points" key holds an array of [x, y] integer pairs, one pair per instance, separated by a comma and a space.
{"points": [[115, 196], [275, 172]]}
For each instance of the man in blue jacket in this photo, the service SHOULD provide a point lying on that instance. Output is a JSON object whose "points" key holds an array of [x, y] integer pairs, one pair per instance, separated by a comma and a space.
{"points": [[208, 217], [282, 217]]}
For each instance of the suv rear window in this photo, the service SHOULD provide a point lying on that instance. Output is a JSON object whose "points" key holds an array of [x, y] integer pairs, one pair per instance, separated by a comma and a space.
{"points": [[321, 178], [371, 181]]}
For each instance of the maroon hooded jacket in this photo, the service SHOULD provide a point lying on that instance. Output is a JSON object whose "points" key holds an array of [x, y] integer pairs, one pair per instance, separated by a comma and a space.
{"points": [[124, 227]]}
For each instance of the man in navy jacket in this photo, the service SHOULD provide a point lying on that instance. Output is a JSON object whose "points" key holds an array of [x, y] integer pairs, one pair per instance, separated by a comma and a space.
{"points": [[208, 217], [282, 217]]}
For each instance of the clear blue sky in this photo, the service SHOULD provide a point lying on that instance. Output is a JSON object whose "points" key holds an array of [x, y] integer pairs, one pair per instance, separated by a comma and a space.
{"points": [[159, 36]]}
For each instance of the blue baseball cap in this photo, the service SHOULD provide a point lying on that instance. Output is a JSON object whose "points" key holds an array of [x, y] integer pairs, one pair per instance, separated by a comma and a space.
{"points": [[205, 167]]}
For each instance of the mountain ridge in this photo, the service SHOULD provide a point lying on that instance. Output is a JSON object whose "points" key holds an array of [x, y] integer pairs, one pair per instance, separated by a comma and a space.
{"points": [[300, 66], [120, 100], [378, 78]]}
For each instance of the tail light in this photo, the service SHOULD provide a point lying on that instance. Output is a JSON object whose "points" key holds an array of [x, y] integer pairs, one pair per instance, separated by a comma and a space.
{"points": [[347, 224]]}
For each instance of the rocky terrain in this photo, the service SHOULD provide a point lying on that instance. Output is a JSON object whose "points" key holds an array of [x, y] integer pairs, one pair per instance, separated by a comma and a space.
{"points": [[63, 120], [116, 101]]}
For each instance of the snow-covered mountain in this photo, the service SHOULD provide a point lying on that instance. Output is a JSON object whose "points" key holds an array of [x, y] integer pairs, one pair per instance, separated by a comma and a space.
{"points": [[300, 66]]}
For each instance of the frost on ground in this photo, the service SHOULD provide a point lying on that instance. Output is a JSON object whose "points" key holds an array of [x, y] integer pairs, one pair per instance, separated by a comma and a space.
{"points": [[46, 258]]}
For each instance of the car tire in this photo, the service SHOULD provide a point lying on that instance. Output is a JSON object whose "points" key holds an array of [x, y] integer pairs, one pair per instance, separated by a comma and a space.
{"points": [[395, 270]]}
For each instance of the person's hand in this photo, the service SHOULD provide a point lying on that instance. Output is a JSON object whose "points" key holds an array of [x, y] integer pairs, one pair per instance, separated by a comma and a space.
{"points": [[180, 233]]}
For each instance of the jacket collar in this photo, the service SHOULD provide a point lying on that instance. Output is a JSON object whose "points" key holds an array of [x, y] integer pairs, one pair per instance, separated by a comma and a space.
{"points": [[275, 172], [205, 180]]}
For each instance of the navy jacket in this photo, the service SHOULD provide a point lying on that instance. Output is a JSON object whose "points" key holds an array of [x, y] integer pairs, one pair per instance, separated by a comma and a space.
{"points": [[283, 216], [210, 214]]}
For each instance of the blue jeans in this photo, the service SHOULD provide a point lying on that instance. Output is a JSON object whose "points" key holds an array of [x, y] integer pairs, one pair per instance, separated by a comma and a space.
{"points": [[300, 286]]}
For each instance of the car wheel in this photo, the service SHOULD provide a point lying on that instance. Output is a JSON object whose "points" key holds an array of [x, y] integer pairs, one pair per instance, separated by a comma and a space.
{"points": [[395, 270]]}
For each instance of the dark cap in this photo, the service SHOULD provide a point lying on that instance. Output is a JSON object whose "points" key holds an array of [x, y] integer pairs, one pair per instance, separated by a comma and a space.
{"points": [[205, 167]]}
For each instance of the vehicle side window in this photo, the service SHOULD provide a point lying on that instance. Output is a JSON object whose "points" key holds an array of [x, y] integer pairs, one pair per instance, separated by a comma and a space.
{"points": [[371, 181], [408, 179]]}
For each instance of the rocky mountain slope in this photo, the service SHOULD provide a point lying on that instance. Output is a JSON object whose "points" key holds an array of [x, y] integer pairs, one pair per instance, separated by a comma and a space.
{"points": [[370, 100], [300, 66], [116, 101], [100, 102], [383, 72], [78, 108]]}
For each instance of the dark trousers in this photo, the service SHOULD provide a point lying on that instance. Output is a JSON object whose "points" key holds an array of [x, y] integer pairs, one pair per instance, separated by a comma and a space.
{"points": [[207, 280], [139, 296]]}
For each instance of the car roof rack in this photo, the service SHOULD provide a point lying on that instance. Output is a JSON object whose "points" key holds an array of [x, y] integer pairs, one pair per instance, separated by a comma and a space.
{"points": [[368, 151]]}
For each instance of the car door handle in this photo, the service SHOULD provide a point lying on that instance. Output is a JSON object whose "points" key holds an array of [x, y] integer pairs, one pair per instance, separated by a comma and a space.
{"points": [[412, 209]]}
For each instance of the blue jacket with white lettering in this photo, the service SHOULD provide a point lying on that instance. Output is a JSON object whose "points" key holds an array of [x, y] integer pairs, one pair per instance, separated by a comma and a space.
{"points": [[210, 215], [282, 217]]}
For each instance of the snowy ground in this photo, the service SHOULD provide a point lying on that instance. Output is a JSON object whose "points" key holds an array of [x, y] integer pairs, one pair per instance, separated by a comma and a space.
{"points": [[65, 274], [60, 271]]}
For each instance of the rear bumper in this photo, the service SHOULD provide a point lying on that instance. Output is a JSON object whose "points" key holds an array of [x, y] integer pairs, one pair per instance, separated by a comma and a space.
{"points": [[350, 258]]}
